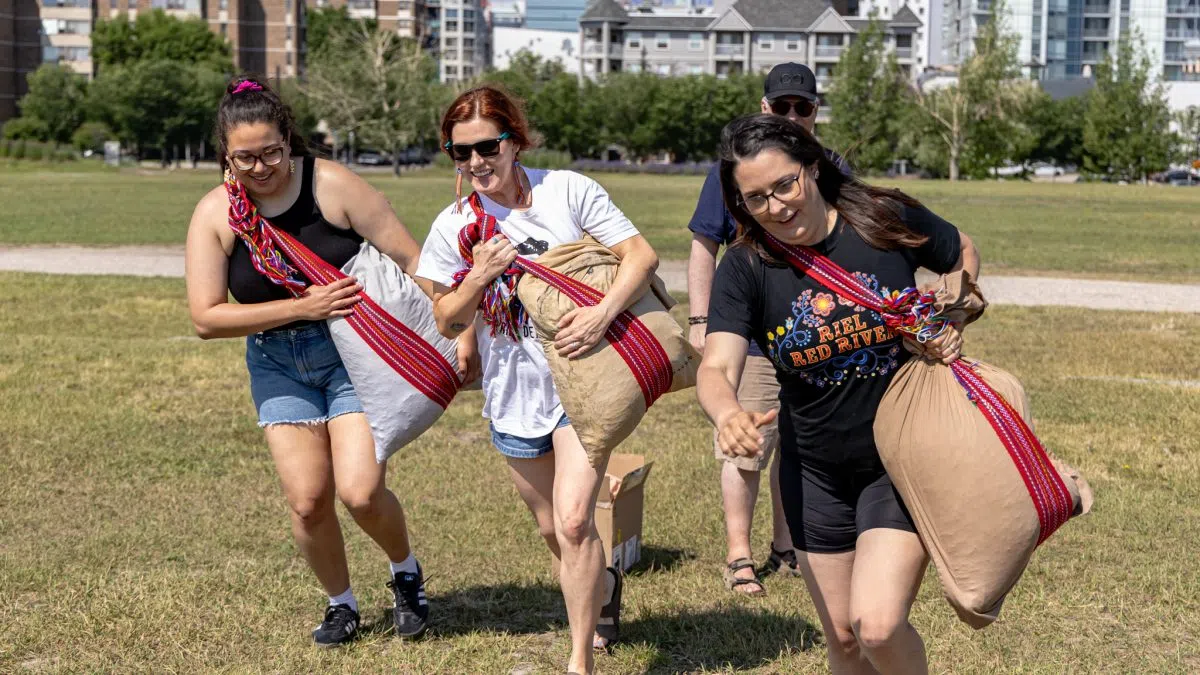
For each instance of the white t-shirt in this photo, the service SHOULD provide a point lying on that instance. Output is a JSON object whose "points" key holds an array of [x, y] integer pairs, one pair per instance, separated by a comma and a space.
{"points": [[519, 394]]}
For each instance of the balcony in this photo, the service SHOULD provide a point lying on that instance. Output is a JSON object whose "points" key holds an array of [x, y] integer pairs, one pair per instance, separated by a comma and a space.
{"points": [[1183, 34], [1183, 7], [178, 5], [1097, 8], [596, 49], [983, 6], [731, 49], [904, 52], [1101, 33], [829, 51]]}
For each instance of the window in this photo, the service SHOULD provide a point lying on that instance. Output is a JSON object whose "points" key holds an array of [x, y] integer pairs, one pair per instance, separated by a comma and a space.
{"points": [[696, 69], [223, 5], [451, 13], [792, 42], [289, 58], [224, 29], [468, 26], [468, 71], [288, 34], [662, 41], [287, 6], [451, 42], [766, 41], [663, 69], [451, 26], [904, 41], [633, 40], [696, 41]]}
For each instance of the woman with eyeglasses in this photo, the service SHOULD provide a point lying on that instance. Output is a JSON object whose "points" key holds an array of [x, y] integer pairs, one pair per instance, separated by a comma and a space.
{"points": [[313, 422], [484, 131], [857, 547]]}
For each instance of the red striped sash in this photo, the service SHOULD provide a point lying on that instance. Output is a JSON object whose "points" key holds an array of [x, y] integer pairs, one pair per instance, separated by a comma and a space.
{"points": [[1046, 488], [638, 347], [399, 346]]}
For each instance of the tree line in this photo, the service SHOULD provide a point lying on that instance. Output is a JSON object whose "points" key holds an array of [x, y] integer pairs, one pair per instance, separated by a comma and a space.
{"points": [[159, 80]]}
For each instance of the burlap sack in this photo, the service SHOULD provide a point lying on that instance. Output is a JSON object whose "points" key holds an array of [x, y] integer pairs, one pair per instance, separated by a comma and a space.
{"points": [[396, 410], [598, 391], [972, 510]]}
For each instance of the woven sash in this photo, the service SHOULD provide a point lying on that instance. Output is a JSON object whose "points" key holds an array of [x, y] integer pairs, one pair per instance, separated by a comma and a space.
{"points": [[910, 311], [638, 347]]}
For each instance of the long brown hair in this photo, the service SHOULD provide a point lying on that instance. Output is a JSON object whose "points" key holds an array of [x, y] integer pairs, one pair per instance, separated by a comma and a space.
{"points": [[249, 101], [873, 212], [490, 103]]}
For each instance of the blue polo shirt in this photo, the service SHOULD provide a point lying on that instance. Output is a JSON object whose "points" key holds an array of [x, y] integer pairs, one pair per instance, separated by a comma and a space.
{"points": [[713, 221]]}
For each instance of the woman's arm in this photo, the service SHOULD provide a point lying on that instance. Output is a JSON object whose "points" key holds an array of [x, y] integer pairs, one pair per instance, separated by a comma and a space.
{"points": [[716, 387], [206, 274], [454, 308], [354, 203], [968, 257], [582, 328]]}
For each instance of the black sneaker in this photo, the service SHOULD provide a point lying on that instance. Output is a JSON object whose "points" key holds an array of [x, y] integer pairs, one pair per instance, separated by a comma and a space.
{"points": [[412, 609], [339, 627]]}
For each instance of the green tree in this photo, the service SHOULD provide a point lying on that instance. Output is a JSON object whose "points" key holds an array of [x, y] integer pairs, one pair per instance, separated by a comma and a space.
{"points": [[157, 36], [1189, 132], [629, 118], [378, 85], [526, 75], [56, 97], [980, 120], [1058, 127], [868, 90], [160, 104], [1126, 132], [91, 136], [325, 21]]}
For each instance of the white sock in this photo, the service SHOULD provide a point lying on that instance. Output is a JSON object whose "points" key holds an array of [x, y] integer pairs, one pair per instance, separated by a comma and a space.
{"points": [[408, 565], [345, 598]]}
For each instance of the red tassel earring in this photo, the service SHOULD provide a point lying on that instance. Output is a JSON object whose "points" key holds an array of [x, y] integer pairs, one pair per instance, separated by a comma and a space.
{"points": [[458, 192]]}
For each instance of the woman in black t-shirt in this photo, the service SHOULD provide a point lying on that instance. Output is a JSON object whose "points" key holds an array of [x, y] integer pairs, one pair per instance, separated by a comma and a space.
{"points": [[857, 546]]}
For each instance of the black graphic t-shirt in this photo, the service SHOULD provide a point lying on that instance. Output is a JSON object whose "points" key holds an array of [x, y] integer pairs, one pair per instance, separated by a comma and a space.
{"points": [[833, 358]]}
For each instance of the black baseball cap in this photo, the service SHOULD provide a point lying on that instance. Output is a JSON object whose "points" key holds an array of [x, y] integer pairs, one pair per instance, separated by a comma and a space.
{"points": [[790, 79]]}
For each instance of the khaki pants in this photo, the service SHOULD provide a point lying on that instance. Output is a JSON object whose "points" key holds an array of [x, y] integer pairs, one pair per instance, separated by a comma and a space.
{"points": [[757, 392]]}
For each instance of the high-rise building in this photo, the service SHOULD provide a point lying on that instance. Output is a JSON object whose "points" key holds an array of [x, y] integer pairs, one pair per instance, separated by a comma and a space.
{"points": [[560, 15], [20, 52], [1067, 38], [463, 40]]}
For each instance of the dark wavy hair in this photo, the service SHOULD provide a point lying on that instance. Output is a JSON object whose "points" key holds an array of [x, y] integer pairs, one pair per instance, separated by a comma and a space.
{"points": [[873, 212], [254, 104]]}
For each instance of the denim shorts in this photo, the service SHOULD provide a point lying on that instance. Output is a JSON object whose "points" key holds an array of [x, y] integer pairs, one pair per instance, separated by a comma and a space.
{"points": [[519, 447], [297, 377]]}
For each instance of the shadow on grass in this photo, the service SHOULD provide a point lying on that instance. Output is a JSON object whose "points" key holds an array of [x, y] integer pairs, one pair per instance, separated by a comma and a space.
{"points": [[508, 608], [730, 638], [656, 559]]}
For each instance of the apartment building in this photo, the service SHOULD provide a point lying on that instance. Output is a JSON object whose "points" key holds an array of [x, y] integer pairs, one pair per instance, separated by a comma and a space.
{"points": [[739, 37], [405, 17], [20, 51], [1067, 38], [464, 47], [559, 15]]}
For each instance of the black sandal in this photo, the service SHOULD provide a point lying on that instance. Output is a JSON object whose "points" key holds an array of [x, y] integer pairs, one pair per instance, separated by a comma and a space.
{"points": [[733, 581], [609, 627], [781, 562]]}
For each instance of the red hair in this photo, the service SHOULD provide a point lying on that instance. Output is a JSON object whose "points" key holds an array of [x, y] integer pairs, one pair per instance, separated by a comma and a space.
{"points": [[489, 103]]}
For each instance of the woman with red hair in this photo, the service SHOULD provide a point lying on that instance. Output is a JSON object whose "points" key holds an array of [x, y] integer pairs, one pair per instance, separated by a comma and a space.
{"points": [[484, 131]]}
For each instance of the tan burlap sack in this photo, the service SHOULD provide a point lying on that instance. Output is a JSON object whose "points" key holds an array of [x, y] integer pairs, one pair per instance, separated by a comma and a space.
{"points": [[598, 391], [971, 508]]}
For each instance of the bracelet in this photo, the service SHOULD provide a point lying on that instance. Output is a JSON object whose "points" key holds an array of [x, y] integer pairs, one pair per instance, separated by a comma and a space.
{"points": [[697, 320]]}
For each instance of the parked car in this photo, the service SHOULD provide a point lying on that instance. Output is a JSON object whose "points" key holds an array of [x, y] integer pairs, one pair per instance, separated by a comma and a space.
{"points": [[372, 158], [1179, 177], [1042, 169]]}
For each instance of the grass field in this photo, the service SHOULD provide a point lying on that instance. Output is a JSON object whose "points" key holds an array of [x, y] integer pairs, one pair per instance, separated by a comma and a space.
{"points": [[1095, 230], [142, 527]]}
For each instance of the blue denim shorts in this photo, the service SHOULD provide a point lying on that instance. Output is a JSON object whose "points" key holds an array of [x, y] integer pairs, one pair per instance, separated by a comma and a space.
{"points": [[519, 447], [297, 377]]}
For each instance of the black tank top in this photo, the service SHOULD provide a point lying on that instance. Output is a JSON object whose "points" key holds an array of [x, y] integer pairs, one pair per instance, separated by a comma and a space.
{"points": [[302, 220]]}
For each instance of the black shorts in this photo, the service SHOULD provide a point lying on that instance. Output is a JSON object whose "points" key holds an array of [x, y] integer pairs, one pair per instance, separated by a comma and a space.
{"points": [[828, 506]]}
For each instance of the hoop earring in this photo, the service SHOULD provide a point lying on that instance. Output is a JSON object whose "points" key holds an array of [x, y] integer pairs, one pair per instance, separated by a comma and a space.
{"points": [[458, 191]]}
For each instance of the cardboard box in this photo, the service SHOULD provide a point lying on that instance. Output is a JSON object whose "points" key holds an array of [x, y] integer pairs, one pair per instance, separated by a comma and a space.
{"points": [[619, 509]]}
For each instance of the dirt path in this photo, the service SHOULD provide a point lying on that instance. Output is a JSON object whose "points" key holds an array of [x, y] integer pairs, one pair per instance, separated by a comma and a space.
{"points": [[167, 261]]}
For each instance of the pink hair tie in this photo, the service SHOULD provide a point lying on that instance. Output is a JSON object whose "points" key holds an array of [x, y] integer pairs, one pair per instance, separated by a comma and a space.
{"points": [[247, 85]]}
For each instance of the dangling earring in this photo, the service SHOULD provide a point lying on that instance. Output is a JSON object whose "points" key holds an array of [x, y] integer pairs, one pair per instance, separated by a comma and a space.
{"points": [[458, 192], [291, 167], [520, 187]]}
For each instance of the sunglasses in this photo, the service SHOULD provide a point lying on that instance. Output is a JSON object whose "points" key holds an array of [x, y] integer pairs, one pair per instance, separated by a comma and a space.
{"points": [[804, 107], [461, 152]]}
